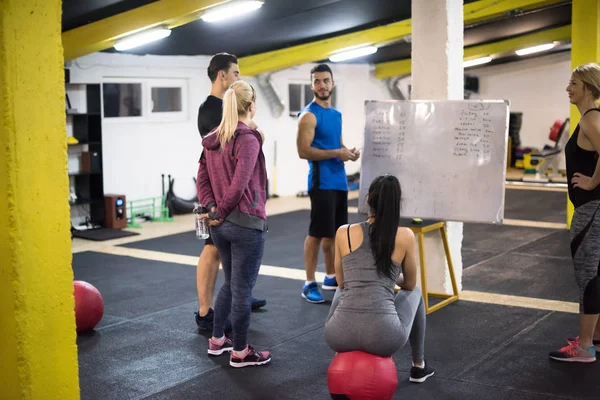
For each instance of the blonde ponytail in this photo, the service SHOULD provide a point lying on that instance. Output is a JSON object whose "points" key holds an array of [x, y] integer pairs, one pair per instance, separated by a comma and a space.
{"points": [[226, 129], [236, 103]]}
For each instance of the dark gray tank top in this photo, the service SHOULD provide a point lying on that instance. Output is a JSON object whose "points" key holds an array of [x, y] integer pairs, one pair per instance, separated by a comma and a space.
{"points": [[365, 290]]}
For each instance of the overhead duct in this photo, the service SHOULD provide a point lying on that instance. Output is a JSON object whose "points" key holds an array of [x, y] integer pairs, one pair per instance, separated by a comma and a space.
{"points": [[392, 86], [275, 104]]}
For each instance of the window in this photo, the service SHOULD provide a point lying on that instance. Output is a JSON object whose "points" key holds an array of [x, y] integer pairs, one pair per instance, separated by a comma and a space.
{"points": [[166, 99], [147, 99], [295, 98], [122, 100], [301, 94]]}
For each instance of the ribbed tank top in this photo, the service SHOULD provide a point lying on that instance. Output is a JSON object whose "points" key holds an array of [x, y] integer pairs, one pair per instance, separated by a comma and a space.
{"points": [[365, 290], [583, 161]]}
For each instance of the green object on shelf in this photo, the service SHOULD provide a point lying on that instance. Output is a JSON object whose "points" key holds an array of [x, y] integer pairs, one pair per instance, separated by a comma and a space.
{"points": [[152, 208]]}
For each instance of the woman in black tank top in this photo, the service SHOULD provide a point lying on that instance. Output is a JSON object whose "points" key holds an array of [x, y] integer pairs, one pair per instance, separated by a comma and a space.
{"points": [[582, 162], [583, 174]]}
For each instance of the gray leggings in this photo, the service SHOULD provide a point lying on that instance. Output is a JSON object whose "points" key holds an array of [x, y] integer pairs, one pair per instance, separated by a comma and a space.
{"points": [[241, 251], [585, 250], [379, 334]]}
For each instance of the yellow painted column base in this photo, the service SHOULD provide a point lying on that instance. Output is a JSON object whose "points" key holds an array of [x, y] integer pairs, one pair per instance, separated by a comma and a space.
{"points": [[38, 352]]}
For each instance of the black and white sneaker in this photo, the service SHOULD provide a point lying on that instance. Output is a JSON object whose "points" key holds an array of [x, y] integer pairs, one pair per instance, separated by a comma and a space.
{"points": [[420, 375], [206, 323], [254, 357]]}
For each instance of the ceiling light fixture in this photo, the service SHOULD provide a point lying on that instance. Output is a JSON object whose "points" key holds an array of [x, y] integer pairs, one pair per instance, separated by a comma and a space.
{"points": [[350, 54], [477, 61], [534, 49], [230, 10], [141, 38]]}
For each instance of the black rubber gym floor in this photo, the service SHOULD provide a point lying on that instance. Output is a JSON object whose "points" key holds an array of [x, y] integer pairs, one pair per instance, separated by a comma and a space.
{"points": [[285, 240], [533, 205], [147, 345], [283, 247]]}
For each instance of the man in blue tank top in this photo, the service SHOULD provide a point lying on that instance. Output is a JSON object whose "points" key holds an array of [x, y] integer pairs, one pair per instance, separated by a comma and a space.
{"points": [[320, 143]]}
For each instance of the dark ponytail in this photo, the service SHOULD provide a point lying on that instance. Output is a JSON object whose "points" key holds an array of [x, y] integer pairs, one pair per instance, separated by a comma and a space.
{"points": [[384, 202]]}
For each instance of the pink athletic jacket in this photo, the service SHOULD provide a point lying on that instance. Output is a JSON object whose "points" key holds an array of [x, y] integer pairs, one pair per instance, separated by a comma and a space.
{"points": [[234, 178]]}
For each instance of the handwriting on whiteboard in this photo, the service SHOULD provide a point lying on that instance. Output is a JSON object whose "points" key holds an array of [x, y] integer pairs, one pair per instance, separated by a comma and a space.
{"points": [[450, 156]]}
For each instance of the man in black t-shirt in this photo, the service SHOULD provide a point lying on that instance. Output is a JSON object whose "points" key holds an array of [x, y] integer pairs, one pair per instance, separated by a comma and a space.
{"points": [[210, 114], [223, 70]]}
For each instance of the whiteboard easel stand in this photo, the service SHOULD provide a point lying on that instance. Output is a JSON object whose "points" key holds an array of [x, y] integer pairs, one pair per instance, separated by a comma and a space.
{"points": [[448, 298]]}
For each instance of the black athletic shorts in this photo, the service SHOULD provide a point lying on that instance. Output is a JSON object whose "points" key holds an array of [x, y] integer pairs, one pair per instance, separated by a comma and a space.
{"points": [[209, 241], [328, 211]]}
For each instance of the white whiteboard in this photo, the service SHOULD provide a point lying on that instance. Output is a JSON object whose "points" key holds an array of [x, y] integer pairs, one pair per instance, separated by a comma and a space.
{"points": [[449, 156]]}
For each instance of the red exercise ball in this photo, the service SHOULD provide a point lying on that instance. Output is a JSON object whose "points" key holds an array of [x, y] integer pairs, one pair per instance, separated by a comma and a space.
{"points": [[362, 376], [89, 306]]}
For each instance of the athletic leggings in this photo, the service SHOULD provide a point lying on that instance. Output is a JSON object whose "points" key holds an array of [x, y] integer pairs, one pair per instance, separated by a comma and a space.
{"points": [[379, 334], [241, 251], [585, 250]]}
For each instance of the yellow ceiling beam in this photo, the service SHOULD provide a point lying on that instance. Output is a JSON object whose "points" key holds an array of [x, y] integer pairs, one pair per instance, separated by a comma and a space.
{"points": [[403, 67], [296, 55], [483, 10], [103, 34], [381, 35], [533, 39]]}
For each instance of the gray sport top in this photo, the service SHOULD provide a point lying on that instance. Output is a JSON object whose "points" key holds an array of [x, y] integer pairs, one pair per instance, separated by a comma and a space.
{"points": [[365, 290]]}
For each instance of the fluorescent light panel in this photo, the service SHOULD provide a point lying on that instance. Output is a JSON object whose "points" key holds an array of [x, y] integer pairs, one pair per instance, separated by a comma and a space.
{"points": [[534, 49], [350, 54], [230, 10], [141, 38], [477, 61]]}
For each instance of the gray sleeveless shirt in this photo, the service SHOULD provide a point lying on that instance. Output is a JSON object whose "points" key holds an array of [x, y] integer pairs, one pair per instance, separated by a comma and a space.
{"points": [[365, 290]]}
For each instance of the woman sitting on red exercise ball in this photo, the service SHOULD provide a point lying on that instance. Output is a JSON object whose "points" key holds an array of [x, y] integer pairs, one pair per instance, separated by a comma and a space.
{"points": [[370, 258]]}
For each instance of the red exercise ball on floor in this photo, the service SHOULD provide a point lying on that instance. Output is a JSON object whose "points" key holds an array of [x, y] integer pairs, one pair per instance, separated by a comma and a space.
{"points": [[362, 376], [89, 306]]}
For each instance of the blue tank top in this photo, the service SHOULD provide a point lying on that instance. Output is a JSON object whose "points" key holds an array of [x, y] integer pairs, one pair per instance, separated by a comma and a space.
{"points": [[326, 174]]}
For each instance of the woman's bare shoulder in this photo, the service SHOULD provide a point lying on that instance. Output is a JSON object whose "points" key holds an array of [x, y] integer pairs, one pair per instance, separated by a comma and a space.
{"points": [[405, 235]]}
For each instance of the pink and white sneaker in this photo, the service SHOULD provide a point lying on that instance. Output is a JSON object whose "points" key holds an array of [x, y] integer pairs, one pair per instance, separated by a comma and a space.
{"points": [[595, 342], [215, 349], [574, 353], [253, 357]]}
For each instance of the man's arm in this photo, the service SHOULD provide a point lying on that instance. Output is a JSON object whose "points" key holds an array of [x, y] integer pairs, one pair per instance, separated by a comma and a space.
{"points": [[203, 187], [355, 154], [257, 129], [306, 133]]}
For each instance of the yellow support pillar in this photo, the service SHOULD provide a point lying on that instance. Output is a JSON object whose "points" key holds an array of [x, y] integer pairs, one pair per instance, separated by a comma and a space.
{"points": [[585, 48], [38, 353]]}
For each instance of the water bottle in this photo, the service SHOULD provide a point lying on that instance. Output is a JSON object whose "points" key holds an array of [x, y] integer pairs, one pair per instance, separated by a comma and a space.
{"points": [[201, 224]]}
